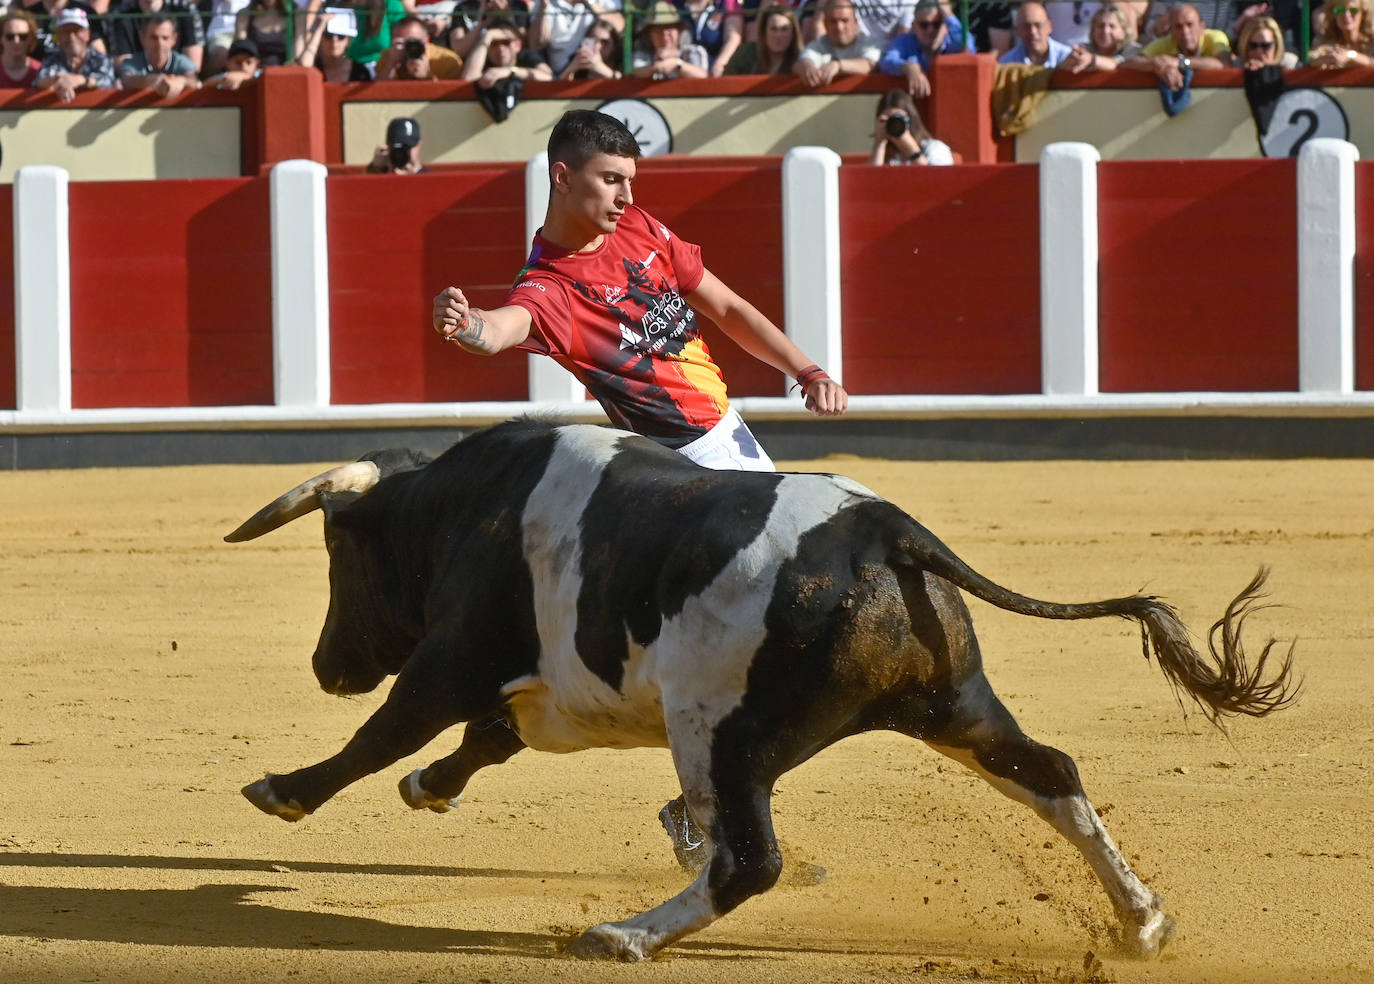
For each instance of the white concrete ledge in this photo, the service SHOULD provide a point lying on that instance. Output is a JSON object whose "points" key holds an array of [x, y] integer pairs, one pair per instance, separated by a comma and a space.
{"points": [[752, 407]]}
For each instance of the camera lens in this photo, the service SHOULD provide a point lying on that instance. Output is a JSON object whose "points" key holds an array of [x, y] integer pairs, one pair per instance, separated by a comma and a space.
{"points": [[897, 124], [414, 48], [399, 155]]}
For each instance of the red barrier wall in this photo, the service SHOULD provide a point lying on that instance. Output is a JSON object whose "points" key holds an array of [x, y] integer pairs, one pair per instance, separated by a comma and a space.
{"points": [[1364, 275], [396, 241], [8, 394], [1198, 276], [171, 293], [941, 283]]}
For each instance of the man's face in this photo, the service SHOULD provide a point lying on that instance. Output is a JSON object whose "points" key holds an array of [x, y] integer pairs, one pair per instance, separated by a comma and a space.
{"points": [[929, 28], [841, 26], [502, 48], [158, 42], [1033, 28], [598, 191], [407, 32], [242, 62], [73, 40], [1186, 27]]}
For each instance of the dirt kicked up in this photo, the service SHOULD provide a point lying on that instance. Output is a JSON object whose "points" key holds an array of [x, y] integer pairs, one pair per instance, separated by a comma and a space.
{"points": [[148, 671]]}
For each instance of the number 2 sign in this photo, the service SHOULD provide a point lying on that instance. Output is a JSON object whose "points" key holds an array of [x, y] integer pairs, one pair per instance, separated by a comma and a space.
{"points": [[1299, 116]]}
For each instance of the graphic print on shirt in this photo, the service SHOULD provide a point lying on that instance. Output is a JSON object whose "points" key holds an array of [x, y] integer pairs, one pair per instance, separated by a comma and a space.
{"points": [[617, 318]]}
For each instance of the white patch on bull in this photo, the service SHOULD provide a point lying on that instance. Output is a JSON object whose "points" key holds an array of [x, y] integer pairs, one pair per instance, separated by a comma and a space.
{"points": [[647, 933], [695, 671], [857, 488], [566, 707]]}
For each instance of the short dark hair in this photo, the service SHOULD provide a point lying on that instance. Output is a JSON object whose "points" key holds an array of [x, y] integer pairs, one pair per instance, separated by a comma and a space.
{"points": [[583, 133], [157, 20]]}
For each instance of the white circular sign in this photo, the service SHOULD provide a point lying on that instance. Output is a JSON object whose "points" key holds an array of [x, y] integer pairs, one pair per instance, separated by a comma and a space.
{"points": [[648, 125], [1299, 116]]}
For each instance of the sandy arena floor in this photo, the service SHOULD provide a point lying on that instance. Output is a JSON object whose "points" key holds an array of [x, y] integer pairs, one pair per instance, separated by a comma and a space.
{"points": [[149, 670]]}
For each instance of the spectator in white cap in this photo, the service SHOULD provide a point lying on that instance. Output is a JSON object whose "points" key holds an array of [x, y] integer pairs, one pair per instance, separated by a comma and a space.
{"points": [[47, 12], [326, 47], [75, 66]]}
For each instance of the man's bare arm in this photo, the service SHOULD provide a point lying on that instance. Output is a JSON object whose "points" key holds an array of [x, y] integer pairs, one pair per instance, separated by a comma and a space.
{"points": [[478, 331], [762, 339]]}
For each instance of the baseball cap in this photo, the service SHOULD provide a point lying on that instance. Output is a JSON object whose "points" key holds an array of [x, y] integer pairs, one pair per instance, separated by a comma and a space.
{"points": [[342, 23], [244, 46], [73, 15], [402, 132]]}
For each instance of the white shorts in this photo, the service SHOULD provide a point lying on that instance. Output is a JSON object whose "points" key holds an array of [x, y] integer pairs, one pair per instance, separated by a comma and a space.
{"points": [[729, 446]]}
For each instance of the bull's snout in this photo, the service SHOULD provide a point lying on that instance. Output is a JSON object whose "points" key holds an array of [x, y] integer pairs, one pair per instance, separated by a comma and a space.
{"points": [[342, 677]]}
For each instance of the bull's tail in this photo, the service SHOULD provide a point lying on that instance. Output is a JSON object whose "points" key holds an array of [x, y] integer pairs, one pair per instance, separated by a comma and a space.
{"points": [[1227, 684]]}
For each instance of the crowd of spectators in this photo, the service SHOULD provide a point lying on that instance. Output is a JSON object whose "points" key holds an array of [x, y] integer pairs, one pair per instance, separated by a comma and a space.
{"points": [[171, 46]]}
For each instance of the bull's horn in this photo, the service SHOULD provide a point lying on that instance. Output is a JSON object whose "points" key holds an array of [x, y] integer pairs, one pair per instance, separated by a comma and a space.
{"points": [[356, 477]]}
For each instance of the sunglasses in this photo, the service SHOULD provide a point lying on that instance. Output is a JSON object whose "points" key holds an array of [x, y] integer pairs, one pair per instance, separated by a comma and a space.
{"points": [[1261, 45], [1340, 9], [17, 37], [929, 25]]}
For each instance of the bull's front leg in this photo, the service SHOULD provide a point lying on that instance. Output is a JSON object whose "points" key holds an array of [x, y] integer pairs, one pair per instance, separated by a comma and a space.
{"points": [[487, 741], [421, 704]]}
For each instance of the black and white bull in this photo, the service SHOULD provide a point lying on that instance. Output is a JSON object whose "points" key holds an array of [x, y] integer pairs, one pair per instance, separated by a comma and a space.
{"points": [[593, 589]]}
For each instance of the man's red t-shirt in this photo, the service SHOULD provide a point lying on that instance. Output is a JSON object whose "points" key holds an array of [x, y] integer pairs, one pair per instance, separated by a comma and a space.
{"points": [[617, 319]]}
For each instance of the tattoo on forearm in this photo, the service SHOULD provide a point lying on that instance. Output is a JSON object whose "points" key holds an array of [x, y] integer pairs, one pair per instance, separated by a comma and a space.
{"points": [[473, 328]]}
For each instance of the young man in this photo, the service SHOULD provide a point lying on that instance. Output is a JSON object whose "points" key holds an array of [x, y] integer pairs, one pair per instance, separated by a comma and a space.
{"points": [[612, 296]]}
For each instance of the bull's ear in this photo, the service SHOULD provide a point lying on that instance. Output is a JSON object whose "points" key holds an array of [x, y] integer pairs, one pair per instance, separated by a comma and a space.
{"points": [[335, 506], [392, 461]]}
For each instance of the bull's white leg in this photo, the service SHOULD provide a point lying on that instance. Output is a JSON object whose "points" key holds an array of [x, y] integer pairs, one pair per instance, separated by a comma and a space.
{"points": [[647, 933], [1145, 926]]}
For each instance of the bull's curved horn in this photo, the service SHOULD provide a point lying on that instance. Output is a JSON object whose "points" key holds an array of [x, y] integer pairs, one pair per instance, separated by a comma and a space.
{"points": [[356, 477]]}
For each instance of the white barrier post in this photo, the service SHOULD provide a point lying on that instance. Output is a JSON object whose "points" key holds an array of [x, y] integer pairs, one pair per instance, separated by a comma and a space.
{"points": [[300, 284], [1068, 269], [1326, 266], [548, 381], [811, 255], [42, 290]]}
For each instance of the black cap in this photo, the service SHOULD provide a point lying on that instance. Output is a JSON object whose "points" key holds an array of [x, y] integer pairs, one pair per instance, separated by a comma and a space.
{"points": [[244, 46], [402, 132]]}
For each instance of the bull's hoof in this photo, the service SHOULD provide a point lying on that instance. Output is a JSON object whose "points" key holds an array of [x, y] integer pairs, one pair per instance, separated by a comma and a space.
{"points": [[609, 942], [418, 798], [264, 797], [1147, 939]]}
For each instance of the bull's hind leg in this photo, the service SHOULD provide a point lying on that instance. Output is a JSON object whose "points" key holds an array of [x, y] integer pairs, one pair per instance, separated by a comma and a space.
{"points": [[489, 741], [985, 737]]}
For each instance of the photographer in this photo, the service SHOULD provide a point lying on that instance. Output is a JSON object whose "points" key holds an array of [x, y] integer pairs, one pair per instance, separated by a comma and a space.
{"points": [[412, 57], [899, 136], [401, 155]]}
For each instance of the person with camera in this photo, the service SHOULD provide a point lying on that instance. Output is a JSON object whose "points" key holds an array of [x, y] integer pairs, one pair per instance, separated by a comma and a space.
{"points": [[500, 54], [411, 56], [401, 155], [899, 136]]}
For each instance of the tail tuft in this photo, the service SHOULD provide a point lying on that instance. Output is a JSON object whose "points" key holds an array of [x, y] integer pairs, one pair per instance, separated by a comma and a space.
{"points": [[1227, 684]]}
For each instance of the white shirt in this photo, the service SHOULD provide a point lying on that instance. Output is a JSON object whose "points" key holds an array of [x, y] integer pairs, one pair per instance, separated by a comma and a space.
{"points": [[567, 24], [822, 51], [1070, 22]]}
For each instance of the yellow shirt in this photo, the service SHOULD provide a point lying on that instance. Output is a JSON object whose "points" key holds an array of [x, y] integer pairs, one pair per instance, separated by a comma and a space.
{"points": [[443, 63], [1214, 44]]}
